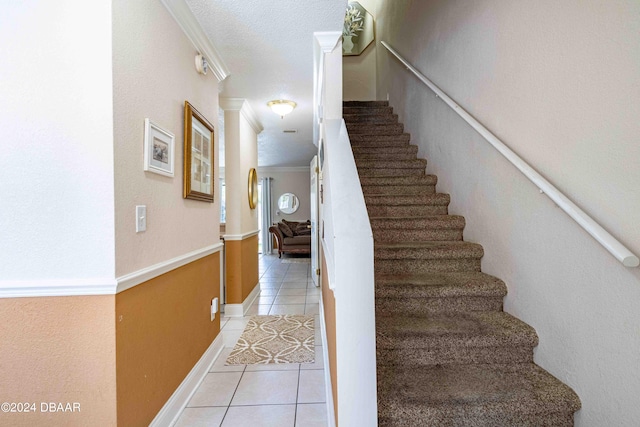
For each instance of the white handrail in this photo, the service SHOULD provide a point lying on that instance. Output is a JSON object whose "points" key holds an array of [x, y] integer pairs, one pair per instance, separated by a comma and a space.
{"points": [[617, 249]]}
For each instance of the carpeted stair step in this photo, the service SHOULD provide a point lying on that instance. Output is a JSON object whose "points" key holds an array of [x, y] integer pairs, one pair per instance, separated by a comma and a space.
{"points": [[377, 167], [454, 338], [411, 184], [402, 200], [379, 171], [403, 152], [404, 189], [366, 110], [425, 257], [432, 204], [418, 164], [375, 129], [413, 229], [425, 294], [360, 151], [365, 104], [370, 118], [522, 395], [358, 140]]}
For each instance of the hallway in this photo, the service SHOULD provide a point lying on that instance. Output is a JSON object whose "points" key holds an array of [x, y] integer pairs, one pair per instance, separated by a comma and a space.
{"points": [[266, 395]]}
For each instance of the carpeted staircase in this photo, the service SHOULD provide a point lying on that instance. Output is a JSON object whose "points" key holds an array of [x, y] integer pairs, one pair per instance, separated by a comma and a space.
{"points": [[447, 354]]}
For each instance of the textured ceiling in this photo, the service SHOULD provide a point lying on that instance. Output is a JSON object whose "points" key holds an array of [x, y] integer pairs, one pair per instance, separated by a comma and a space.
{"points": [[268, 48]]}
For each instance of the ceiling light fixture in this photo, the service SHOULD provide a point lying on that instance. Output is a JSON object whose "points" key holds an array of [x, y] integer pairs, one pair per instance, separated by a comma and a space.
{"points": [[281, 107]]}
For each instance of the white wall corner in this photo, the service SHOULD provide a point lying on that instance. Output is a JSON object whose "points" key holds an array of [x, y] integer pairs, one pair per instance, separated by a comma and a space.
{"points": [[192, 29], [240, 310], [242, 105]]}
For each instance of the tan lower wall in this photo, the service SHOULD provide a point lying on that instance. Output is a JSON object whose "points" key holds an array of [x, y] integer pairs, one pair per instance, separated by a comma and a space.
{"points": [[329, 304], [163, 327], [241, 268], [61, 350]]}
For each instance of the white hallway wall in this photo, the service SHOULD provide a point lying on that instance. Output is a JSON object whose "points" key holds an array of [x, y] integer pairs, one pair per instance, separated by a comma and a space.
{"points": [[558, 83], [56, 184]]}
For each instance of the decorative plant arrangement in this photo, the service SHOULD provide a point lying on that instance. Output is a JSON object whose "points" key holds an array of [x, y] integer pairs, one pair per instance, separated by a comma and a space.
{"points": [[353, 21], [357, 30]]}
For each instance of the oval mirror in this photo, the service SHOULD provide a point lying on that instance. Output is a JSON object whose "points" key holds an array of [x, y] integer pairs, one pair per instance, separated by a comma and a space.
{"points": [[288, 203], [253, 188]]}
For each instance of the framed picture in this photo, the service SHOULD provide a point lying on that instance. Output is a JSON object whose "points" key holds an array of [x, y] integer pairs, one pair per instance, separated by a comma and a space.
{"points": [[198, 155], [158, 149]]}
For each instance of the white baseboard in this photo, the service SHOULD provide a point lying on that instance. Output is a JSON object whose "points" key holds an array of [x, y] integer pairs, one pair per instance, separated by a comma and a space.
{"points": [[331, 411], [171, 410], [239, 310]]}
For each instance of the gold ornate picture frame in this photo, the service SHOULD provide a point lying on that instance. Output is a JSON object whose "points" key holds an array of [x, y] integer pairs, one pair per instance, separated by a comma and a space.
{"points": [[198, 155]]}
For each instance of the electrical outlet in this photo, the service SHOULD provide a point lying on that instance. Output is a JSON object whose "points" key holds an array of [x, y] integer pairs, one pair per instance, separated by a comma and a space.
{"points": [[214, 308], [141, 218]]}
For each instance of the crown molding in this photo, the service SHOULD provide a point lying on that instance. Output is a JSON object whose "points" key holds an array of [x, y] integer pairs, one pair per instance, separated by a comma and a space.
{"points": [[242, 105], [192, 29], [231, 104], [251, 117], [328, 40]]}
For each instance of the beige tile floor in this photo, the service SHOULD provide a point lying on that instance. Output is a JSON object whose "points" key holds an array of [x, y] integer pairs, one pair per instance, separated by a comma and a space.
{"points": [[288, 395]]}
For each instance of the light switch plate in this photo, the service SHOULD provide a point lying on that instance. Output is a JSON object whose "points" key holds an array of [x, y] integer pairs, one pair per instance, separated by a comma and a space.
{"points": [[141, 218]]}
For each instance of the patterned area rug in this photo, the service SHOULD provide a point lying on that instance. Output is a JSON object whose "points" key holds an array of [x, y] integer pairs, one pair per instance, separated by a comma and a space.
{"points": [[296, 261], [275, 339]]}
